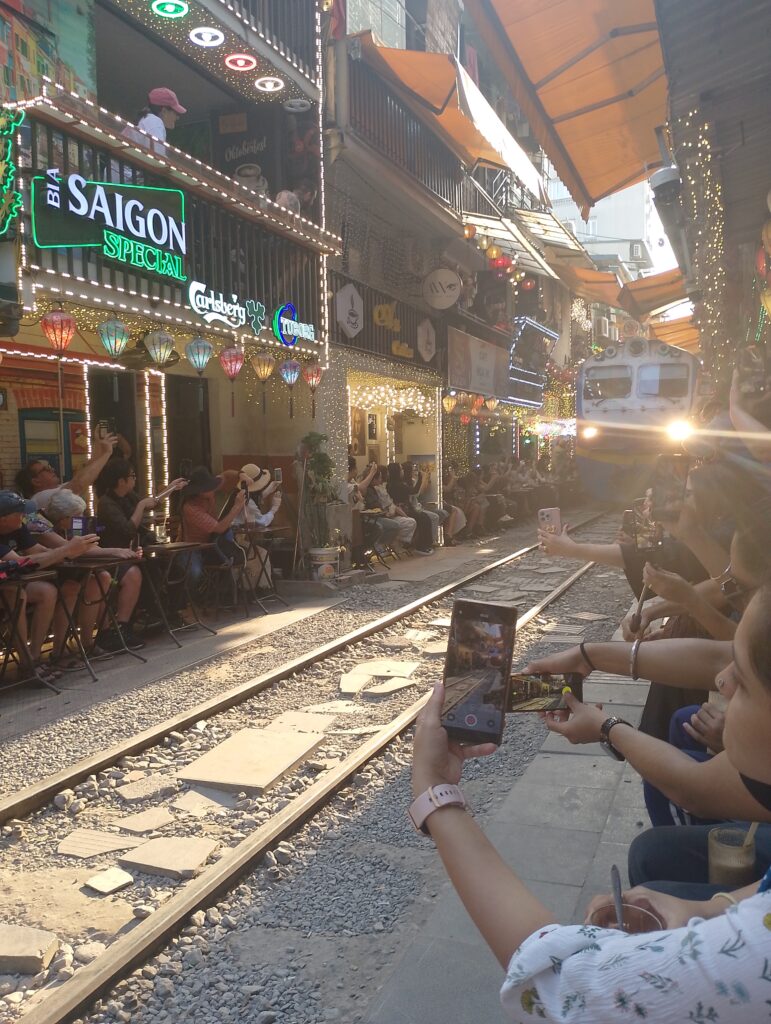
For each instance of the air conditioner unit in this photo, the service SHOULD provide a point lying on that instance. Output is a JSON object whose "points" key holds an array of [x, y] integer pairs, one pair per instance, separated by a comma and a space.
{"points": [[602, 326], [613, 334]]}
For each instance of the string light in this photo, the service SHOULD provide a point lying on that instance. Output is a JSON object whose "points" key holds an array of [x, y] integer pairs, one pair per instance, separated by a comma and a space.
{"points": [[148, 436], [87, 396], [164, 440]]}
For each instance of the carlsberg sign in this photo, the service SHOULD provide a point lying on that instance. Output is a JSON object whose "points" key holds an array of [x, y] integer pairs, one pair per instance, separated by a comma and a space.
{"points": [[133, 224]]}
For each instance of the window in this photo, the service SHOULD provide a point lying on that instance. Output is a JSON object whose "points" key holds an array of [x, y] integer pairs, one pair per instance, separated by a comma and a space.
{"points": [[664, 380], [637, 251], [601, 382]]}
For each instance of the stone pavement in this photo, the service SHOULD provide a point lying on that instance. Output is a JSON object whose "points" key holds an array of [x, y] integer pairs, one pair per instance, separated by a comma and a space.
{"points": [[566, 820]]}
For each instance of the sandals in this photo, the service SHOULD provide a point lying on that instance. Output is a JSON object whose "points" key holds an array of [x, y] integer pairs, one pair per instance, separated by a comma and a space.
{"points": [[46, 672]]}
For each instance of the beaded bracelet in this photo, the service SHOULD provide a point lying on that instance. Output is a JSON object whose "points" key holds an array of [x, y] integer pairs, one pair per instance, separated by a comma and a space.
{"points": [[585, 656]]}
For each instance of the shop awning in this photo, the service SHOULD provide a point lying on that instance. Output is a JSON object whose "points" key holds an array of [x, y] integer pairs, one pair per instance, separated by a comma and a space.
{"points": [[652, 294], [437, 88], [593, 285], [506, 233], [589, 76], [682, 332]]}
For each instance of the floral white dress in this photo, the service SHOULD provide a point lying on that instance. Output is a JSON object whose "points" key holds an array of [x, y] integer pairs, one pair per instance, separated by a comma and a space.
{"points": [[709, 972]]}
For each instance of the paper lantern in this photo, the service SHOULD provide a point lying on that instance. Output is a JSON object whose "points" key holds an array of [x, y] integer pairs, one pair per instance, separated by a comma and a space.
{"points": [[483, 241], [312, 374], [493, 252], [290, 371], [465, 419], [114, 336], [59, 328], [528, 284], [469, 231], [160, 345], [449, 402], [232, 361], [198, 353], [263, 365], [491, 404], [464, 400], [478, 402]]}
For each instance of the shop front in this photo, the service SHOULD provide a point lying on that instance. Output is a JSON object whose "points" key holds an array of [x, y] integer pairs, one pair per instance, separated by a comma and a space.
{"points": [[157, 298]]}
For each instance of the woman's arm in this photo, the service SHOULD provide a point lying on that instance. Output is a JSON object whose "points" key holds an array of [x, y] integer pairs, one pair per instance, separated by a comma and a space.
{"points": [[684, 594], [563, 546]]}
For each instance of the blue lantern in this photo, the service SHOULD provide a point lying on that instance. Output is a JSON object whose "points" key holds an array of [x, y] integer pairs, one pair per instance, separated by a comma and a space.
{"points": [[115, 337], [290, 371], [198, 352]]}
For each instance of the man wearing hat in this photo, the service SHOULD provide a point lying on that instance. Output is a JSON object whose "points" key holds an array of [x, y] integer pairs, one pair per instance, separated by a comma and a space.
{"points": [[16, 545]]}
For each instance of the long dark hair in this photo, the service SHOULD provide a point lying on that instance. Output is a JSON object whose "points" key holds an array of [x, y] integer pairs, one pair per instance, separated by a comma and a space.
{"points": [[151, 108]]}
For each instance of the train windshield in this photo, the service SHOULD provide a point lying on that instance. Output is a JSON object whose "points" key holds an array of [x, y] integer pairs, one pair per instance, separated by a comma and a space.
{"points": [[601, 382], [663, 380]]}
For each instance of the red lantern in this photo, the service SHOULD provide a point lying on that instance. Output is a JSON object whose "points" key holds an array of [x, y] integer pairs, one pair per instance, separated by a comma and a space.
{"points": [[528, 284], [59, 328], [231, 361], [761, 261], [312, 374], [465, 419]]}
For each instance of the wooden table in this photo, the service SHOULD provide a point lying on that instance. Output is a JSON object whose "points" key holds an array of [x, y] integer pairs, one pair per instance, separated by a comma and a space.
{"points": [[253, 535]]}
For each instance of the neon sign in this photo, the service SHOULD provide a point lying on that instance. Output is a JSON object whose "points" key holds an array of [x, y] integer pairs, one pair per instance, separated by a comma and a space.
{"points": [[211, 305], [288, 329], [140, 225], [10, 198]]}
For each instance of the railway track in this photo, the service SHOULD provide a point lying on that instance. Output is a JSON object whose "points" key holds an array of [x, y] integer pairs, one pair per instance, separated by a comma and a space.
{"points": [[64, 1002]]}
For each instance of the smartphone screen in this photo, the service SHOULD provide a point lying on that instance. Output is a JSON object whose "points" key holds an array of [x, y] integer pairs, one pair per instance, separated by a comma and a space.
{"points": [[77, 526], [647, 533], [278, 475], [185, 468], [752, 370], [544, 692], [477, 671], [668, 489], [627, 522], [550, 519]]}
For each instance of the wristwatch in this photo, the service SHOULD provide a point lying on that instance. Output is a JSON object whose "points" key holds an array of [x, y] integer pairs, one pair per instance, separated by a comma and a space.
{"points": [[430, 801], [605, 743]]}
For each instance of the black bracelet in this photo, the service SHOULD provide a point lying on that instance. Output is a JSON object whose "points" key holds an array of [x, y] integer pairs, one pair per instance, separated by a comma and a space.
{"points": [[585, 656]]}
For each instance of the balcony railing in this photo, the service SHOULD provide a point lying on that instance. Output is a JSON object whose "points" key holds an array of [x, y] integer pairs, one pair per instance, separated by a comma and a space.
{"points": [[288, 25], [394, 131], [230, 246]]}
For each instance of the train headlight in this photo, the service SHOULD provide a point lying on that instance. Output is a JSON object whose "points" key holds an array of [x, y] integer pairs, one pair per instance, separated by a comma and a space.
{"points": [[679, 430], [589, 432]]}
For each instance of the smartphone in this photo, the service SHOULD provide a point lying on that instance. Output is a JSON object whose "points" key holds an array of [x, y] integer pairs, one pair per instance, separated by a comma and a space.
{"points": [[83, 526], [278, 475], [477, 671], [647, 533], [753, 374], [549, 519], [105, 427], [627, 522], [668, 487], [544, 692], [186, 468]]}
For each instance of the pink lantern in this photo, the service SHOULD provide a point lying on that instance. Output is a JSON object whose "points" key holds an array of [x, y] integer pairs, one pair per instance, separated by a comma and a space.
{"points": [[312, 374], [59, 328], [231, 361]]}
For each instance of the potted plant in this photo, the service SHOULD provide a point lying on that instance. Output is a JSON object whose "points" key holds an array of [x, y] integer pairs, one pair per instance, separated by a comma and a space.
{"points": [[319, 491]]}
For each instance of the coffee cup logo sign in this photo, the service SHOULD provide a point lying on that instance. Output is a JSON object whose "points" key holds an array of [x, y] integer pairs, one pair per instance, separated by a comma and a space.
{"points": [[288, 329], [134, 224], [349, 307], [212, 306]]}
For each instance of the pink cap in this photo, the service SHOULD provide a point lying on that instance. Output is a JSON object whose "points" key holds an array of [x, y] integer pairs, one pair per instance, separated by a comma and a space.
{"points": [[163, 97]]}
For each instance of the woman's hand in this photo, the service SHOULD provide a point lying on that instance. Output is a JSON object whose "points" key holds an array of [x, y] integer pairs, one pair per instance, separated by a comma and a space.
{"points": [[706, 726], [735, 394], [570, 660], [147, 503], [674, 912], [179, 483], [559, 544], [668, 585], [583, 725], [435, 759]]}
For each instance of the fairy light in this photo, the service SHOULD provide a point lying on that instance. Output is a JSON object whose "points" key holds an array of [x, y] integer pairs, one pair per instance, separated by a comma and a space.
{"points": [[477, 444], [165, 437], [87, 394], [148, 436]]}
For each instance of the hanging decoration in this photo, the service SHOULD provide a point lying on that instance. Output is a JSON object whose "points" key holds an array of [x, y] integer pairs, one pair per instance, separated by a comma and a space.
{"points": [[198, 353], [59, 328], [232, 361], [263, 365], [491, 404], [160, 345], [469, 231], [312, 374], [465, 419], [528, 284], [114, 336], [290, 371], [448, 403]]}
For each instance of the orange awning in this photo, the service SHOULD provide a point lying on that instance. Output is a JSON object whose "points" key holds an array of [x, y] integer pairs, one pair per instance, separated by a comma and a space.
{"points": [[682, 332], [589, 76], [437, 88], [592, 285], [651, 294]]}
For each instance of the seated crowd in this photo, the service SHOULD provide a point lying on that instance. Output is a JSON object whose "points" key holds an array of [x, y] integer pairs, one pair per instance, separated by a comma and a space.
{"points": [[702, 751], [94, 610]]}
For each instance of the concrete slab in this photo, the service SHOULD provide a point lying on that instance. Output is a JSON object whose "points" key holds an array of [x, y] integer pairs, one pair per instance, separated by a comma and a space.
{"points": [[335, 707], [559, 855], [443, 621], [396, 643], [90, 842], [110, 881], [298, 721], [174, 857], [158, 784], [388, 687], [146, 821], [554, 744], [25, 950], [418, 635], [587, 773], [251, 760], [200, 801], [352, 683], [588, 616], [57, 900], [388, 667], [436, 649], [634, 694], [553, 806]]}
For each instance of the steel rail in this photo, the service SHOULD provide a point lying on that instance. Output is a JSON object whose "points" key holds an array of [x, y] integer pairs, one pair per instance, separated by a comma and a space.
{"points": [[69, 1001], [31, 798]]}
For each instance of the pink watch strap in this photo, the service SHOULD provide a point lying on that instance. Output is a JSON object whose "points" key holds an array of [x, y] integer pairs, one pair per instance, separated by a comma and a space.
{"points": [[430, 801]]}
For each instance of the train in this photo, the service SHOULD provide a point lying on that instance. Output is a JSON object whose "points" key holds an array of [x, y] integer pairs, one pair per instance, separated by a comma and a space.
{"points": [[633, 401]]}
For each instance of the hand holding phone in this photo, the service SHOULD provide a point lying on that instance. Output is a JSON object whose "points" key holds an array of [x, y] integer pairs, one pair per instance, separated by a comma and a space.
{"points": [[668, 487], [477, 671], [550, 520]]}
